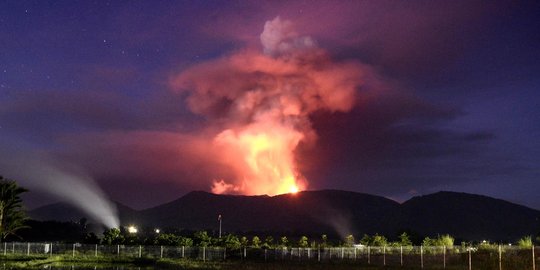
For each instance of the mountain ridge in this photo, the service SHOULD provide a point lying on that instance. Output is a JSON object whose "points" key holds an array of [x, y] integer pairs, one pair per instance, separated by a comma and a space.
{"points": [[464, 215]]}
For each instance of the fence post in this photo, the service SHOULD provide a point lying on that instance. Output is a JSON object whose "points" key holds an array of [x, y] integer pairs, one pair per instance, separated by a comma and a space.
{"points": [[28, 249], [444, 257], [500, 258], [265, 251], [224, 253], [422, 257], [140, 251], [309, 253], [401, 255], [73, 254], [161, 252], [319, 254], [204, 254], [368, 256], [355, 253], [182, 251], [5, 248], [470, 261], [245, 253], [95, 253], [118, 250], [534, 263], [384, 255]]}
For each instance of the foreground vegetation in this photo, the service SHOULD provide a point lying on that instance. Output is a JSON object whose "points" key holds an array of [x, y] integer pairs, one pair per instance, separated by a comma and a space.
{"points": [[111, 262]]}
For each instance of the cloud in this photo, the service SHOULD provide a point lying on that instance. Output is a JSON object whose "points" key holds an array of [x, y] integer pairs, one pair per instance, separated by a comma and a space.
{"points": [[279, 38]]}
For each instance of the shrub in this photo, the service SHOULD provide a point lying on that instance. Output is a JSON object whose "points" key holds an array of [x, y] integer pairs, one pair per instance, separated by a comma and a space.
{"points": [[525, 242]]}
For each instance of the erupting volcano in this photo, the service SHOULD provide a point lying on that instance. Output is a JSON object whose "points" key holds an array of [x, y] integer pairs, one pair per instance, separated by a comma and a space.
{"points": [[260, 103]]}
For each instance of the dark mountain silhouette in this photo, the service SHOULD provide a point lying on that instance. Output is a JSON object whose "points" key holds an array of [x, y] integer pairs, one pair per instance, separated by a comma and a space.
{"points": [[470, 216], [334, 212], [306, 212]]}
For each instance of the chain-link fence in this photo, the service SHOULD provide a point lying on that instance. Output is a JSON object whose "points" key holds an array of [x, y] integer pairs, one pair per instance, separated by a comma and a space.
{"points": [[462, 257]]}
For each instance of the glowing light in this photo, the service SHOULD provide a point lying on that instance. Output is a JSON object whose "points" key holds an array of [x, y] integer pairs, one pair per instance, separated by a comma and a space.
{"points": [[132, 229], [263, 153], [157, 230], [294, 189]]}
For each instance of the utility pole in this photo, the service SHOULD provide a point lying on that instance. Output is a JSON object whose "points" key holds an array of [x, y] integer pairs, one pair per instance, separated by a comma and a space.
{"points": [[219, 219]]}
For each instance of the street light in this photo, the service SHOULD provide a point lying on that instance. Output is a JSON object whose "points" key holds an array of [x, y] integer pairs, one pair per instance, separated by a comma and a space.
{"points": [[157, 230], [132, 229]]}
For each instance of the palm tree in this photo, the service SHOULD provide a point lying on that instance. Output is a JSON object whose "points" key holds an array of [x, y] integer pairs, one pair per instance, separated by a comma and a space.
{"points": [[12, 216]]}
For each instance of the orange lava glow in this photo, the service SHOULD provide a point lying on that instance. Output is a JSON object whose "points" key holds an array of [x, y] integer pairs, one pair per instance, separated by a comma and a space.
{"points": [[293, 189], [263, 154]]}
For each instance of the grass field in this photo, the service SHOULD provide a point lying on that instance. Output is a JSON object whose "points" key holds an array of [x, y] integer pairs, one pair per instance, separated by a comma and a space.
{"points": [[126, 263]]}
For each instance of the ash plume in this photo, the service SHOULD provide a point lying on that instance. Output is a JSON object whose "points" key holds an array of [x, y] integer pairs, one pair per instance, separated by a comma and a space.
{"points": [[261, 102]]}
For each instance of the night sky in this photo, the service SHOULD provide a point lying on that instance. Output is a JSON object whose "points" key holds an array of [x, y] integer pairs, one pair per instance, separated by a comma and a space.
{"points": [[449, 98]]}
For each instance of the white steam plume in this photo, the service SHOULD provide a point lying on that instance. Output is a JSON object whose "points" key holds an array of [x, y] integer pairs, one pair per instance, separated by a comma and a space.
{"points": [[279, 37], [36, 171]]}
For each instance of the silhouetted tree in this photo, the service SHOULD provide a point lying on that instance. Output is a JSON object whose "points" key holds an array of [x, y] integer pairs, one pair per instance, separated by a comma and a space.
{"points": [[232, 242], [256, 241], [404, 240], [445, 240], [324, 240], [167, 239], [91, 238], [112, 236], [428, 242], [185, 241], [12, 216], [525, 242], [283, 241], [244, 241], [303, 242], [202, 239], [379, 240], [349, 240], [268, 242], [366, 240]]}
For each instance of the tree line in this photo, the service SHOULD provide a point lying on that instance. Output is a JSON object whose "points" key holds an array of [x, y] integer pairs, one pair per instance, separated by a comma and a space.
{"points": [[122, 236]]}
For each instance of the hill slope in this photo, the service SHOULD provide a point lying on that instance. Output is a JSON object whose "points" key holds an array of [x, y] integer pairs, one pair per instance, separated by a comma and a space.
{"points": [[307, 212], [469, 216], [462, 215]]}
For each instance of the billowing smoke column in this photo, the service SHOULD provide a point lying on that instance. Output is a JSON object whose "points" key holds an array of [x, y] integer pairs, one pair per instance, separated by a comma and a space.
{"points": [[262, 102], [37, 171]]}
